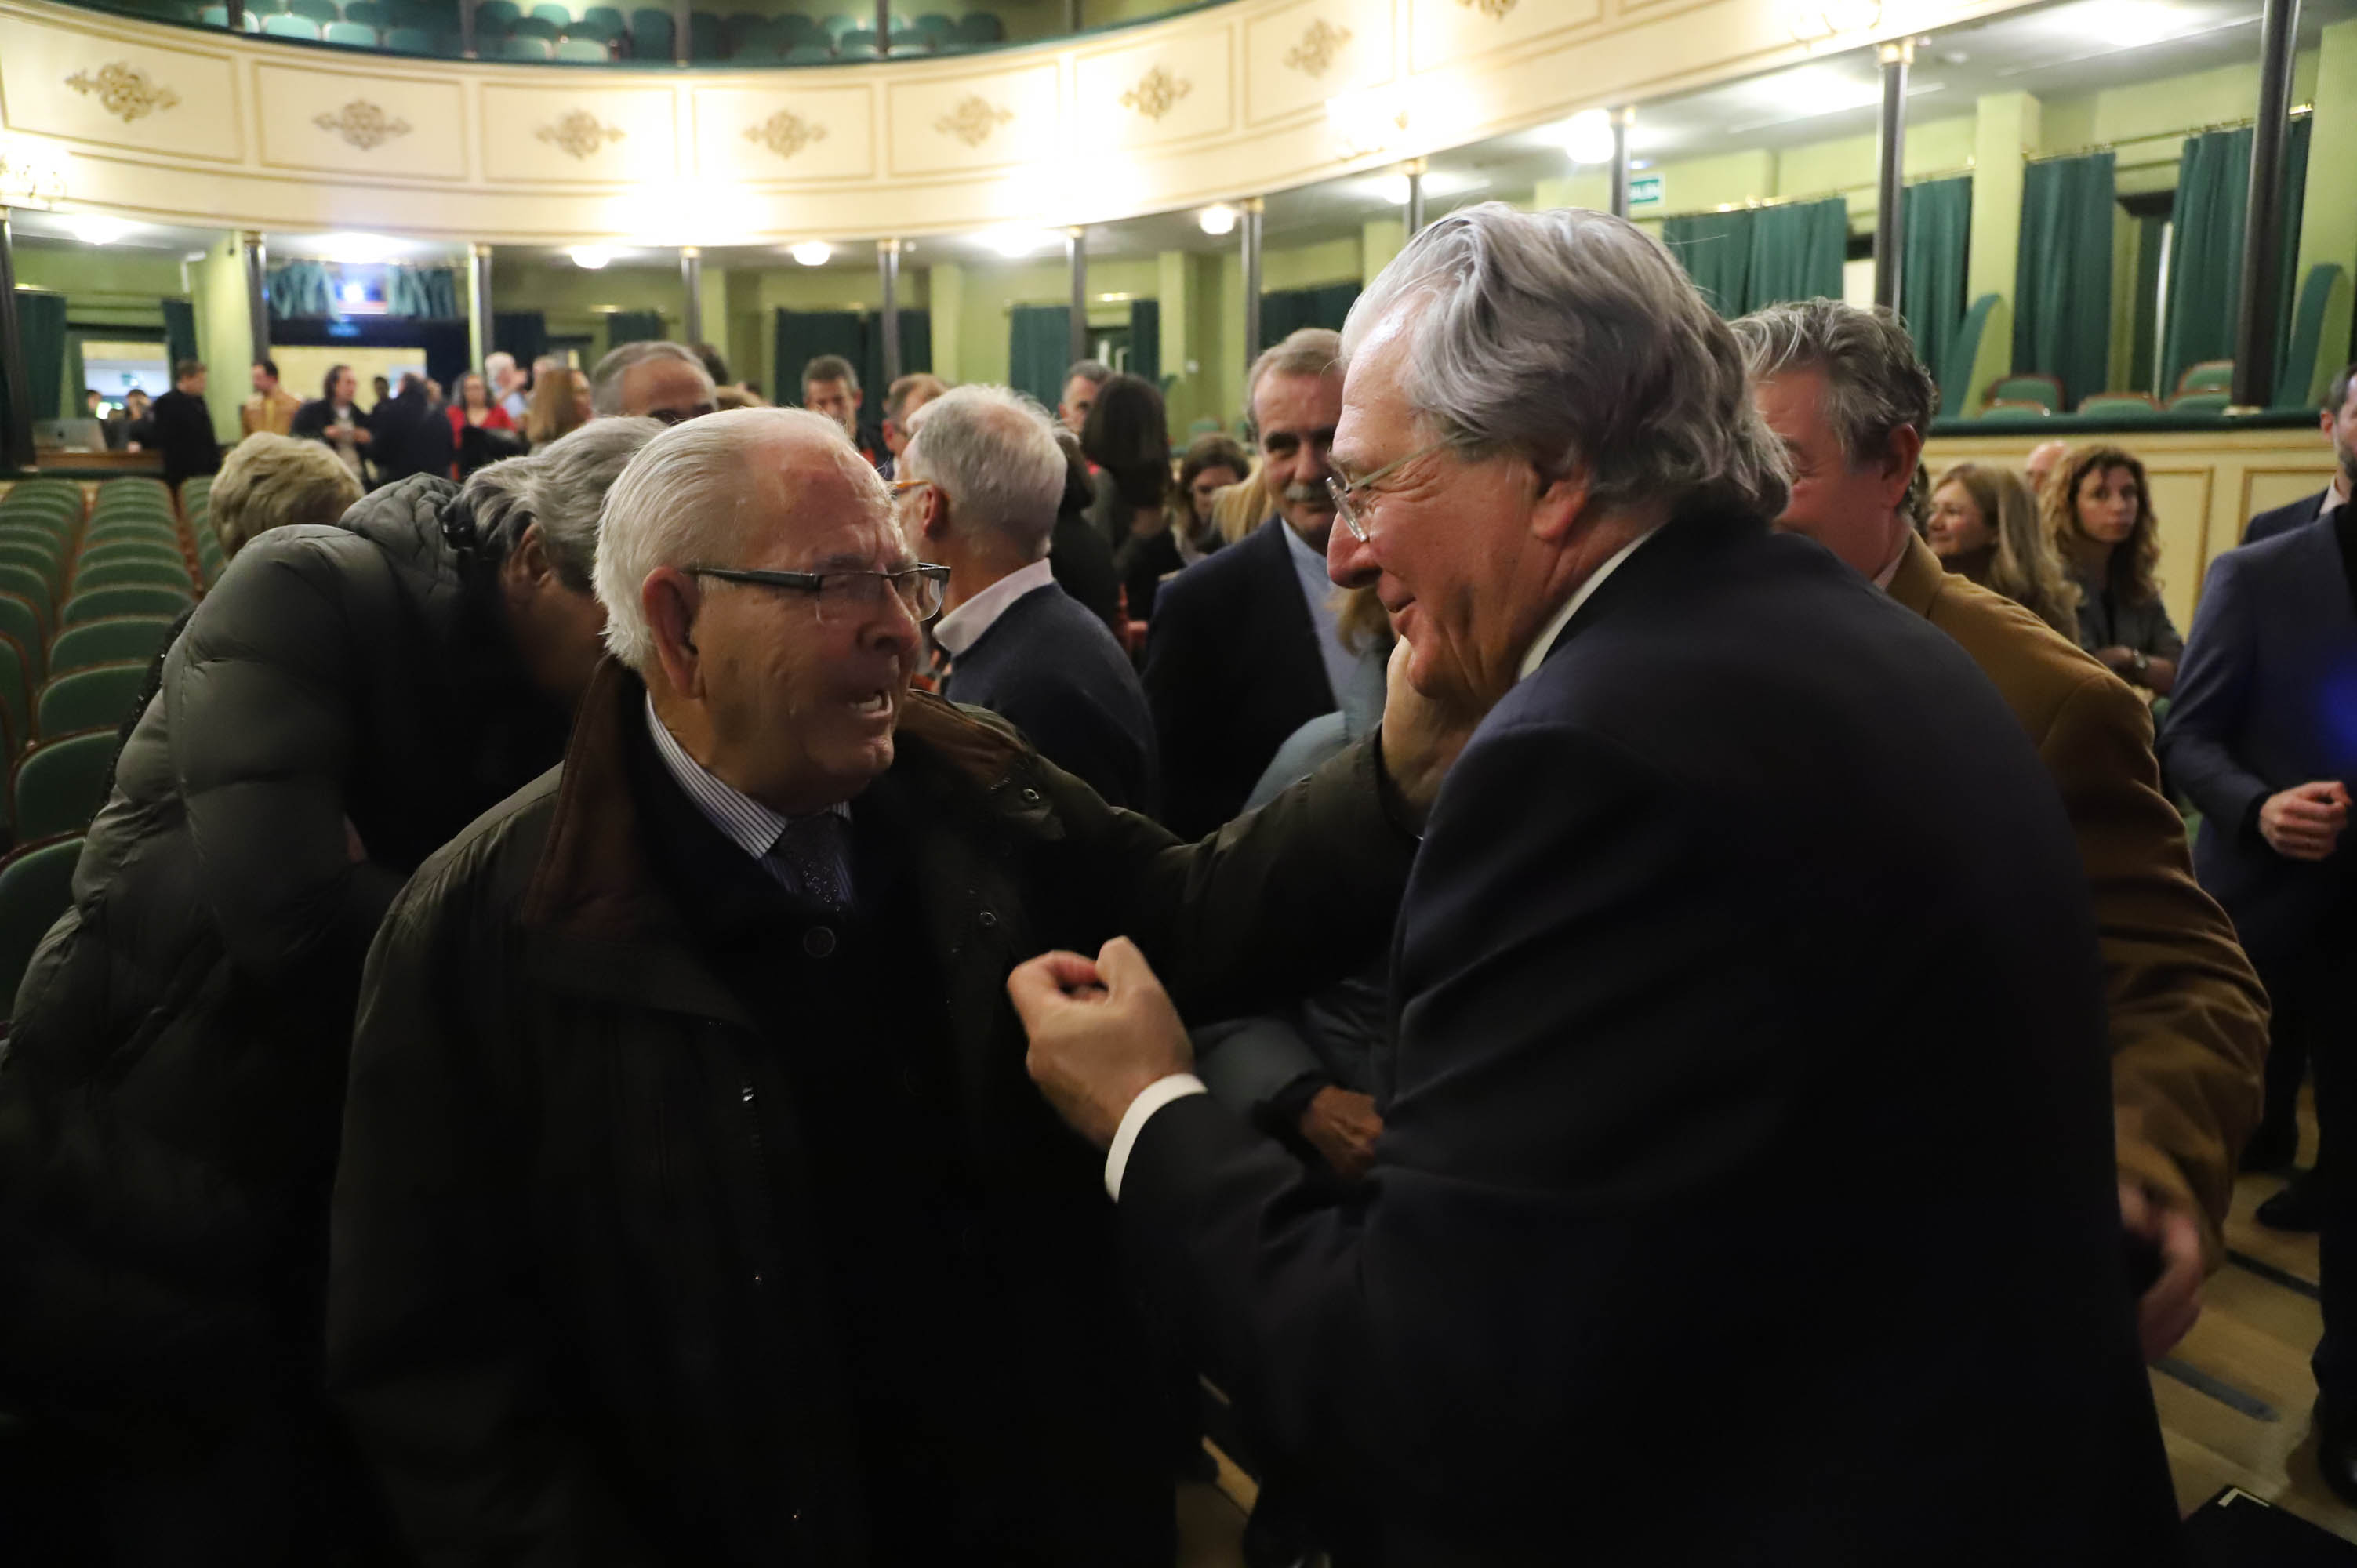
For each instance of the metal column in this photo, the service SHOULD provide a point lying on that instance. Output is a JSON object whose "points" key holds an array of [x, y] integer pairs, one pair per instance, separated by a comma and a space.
{"points": [[1622, 119], [884, 26], [1415, 168], [888, 262], [2258, 320], [1250, 227], [1076, 256], [478, 307], [691, 279], [257, 257], [16, 436], [1891, 174]]}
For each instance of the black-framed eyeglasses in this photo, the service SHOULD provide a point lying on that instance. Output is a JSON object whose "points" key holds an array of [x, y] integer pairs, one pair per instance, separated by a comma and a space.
{"points": [[848, 596]]}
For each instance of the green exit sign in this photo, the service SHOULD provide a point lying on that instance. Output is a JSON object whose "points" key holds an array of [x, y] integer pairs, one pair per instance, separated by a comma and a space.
{"points": [[1645, 190]]}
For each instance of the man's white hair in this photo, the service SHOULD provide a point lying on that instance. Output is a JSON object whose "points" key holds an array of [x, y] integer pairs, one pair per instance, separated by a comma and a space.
{"points": [[681, 502], [1572, 339], [563, 488], [992, 452], [606, 381], [497, 360]]}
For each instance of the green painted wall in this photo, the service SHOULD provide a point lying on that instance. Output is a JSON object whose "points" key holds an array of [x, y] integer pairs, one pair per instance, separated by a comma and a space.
{"points": [[104, 287], [224, 331]]}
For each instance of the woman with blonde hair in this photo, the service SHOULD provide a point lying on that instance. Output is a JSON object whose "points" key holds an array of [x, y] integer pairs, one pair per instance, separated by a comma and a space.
{"points": [[2097, 507], [1984, 527], [559, 406]]}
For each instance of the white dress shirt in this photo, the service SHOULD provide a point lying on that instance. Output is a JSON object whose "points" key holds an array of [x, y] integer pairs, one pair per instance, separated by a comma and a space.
{"points": [[962, 626], [1178, 1085], [2335, 496]]}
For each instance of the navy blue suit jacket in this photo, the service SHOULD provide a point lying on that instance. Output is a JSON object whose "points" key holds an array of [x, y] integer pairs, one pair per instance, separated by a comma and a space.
{"points": [[1231, 669], [1754, 886], [1050, 668], [2283, 519], [2267, 698]]}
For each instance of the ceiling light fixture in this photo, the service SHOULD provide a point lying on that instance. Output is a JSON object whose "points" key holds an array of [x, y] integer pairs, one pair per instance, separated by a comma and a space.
{"points": [[812, 253], [590, 256], [1392, 187], [1016, 243], [1587, 136], [1216, 219], [359, 248], [97, 229]]}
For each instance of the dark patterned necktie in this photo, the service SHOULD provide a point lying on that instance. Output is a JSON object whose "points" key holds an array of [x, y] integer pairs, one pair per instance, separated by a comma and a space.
{"points": [[815, 848]]}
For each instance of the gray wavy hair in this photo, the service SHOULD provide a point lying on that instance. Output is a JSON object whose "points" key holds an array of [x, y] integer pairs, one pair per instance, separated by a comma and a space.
{"points": [[606, 381], [994, 453], [563, 488], [1571, 338], [1874, 382]]}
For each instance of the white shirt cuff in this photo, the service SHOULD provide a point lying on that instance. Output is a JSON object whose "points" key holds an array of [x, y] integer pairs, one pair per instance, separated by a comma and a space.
{"points": [[1153, 1098]]}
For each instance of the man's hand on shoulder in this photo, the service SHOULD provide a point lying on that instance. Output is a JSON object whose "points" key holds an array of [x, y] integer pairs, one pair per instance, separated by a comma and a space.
{"points": [[1101, 1033]]}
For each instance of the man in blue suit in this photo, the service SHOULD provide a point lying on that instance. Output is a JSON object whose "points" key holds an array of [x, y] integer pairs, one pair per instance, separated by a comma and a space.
{"points": [[1747, 891], [979, 480], [2262, 736], [2340, 423]]}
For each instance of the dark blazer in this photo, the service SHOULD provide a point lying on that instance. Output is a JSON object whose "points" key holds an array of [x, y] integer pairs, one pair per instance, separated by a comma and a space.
{"points": [[180, 426], [1231, 669], [1050, 668], [2284, 519], [1083, 562], [2261, 705], [1661, 972]]}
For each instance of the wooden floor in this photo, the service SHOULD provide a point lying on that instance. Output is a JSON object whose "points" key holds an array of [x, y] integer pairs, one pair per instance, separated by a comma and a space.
{"points": [[2234, 1397]]}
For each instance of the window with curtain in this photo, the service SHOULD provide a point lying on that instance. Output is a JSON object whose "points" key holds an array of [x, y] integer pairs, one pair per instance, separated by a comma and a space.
{"points": [[301, 289], [1715, 248], [632, 327], [1796, 252], [2205, 257], [916, 354], [179, 330], [426, 292], [802, 335], [522, 335], [1038, 350], [2062, 282], [1145, 339], [41, 321], [1936, 226]]}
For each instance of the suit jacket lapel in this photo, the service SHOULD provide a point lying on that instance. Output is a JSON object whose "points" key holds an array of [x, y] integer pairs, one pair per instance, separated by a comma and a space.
{"points": [[1296, 663]]}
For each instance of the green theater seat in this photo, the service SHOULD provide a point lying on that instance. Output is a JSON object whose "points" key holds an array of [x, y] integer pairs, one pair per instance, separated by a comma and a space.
{"points": [[35, 888], [97, 698], [59, 784], [140, 600], [111, 641]]}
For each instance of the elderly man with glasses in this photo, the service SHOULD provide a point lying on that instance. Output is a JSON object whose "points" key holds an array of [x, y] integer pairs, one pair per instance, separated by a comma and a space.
{"points": [[1683, 1197], [694, 1206]]}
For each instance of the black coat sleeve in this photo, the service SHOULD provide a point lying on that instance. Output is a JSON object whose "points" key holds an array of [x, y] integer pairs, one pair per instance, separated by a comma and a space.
{"points": [[1572, 1106], [2205, 709], [1183, 683], [437, 1348]]}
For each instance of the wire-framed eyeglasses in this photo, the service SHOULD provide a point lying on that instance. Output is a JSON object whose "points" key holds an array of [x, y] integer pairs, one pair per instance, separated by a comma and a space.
{"points": [[1350, 496], [848, 596]]}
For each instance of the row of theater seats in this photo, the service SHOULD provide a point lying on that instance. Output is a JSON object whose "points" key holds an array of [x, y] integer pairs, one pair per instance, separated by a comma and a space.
{"points": [[594, 34], [90, 589]]}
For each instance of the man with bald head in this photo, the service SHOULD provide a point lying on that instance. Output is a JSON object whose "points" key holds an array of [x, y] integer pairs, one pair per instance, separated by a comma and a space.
{"points": [[694, 1206], [660, 381]]}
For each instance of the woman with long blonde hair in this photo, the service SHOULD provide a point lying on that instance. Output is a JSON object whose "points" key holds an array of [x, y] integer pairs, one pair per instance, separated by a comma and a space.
{"points": [[1984, 527], [2097, 507]]}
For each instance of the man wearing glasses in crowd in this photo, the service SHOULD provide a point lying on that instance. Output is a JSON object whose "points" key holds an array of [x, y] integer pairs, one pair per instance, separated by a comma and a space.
{"points": [[694, 1205]]}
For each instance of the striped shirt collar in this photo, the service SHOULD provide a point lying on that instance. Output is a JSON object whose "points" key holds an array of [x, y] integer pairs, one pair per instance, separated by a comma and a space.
{"points": [[743, 821]]}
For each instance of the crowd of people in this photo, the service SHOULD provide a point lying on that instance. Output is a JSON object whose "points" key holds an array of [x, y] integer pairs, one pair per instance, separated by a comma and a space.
{"points": [[670, 980]]}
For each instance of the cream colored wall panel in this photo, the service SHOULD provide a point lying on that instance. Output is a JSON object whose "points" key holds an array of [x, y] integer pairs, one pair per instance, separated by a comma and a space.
{"points": [[361, 121], [980, 122], [1297, 57], [785, 133], [1175, 90], [94, 85], [1443, 32], [596, 133]]}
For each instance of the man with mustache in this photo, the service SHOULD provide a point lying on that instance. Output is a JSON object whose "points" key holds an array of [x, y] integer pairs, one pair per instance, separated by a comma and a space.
{"points": [[1247, 645], [694, 1206]]}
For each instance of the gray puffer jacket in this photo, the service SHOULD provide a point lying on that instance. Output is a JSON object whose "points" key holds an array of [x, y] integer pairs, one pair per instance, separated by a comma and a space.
{"points": [[172, 1084]]}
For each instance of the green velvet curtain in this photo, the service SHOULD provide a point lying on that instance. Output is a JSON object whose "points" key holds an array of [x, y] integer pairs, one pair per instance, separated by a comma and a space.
{"points": [[2063, 283], [631, 327], [1039, 348], [1796, 252], [301, 289], [41, 318], [310, 290], [1936, 226], [916, 354], [1289, 311], [426, 292], [77, 378], [1145, 339], [2205, 256], [179, 332], [520, 334], [802, 335], [1715, 248]]}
